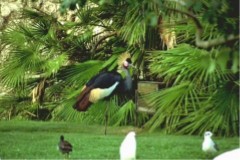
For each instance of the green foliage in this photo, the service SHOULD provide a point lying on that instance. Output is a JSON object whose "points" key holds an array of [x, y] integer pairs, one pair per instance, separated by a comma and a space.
{"points": [[186, 63], [172, 104], [134, 28], [219, 112], [223, 13], [80, 73], [203, 95], [198, 83], [127, 113]]}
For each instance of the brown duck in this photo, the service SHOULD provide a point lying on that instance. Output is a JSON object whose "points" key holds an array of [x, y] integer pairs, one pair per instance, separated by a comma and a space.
{"points": [[64, 146]]}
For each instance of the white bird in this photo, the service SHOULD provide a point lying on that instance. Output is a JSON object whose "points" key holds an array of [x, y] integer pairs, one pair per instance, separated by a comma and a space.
{"points": [[230, 155], [128, 147], [208, 145]]}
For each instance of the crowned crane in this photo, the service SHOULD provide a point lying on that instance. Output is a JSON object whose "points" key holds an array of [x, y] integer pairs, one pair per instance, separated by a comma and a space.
{"points": [[105, 83], [208, 144], [64, 146]]}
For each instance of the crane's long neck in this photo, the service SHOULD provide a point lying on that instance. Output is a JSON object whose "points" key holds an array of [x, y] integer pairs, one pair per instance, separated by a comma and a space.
{"points": [[127, 79]]}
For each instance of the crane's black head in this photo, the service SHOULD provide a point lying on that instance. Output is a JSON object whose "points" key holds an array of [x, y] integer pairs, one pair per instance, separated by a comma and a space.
{"points": [[129, 60], [124, 60]]}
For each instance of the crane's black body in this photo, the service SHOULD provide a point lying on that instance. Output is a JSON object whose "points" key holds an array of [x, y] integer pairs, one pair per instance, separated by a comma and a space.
{"points": [[64, 146], [103, 85], [103, 80]]}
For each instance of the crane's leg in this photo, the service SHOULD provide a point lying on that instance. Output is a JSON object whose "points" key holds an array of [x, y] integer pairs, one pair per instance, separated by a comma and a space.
{"points": [[106, 119], [136, 108]]}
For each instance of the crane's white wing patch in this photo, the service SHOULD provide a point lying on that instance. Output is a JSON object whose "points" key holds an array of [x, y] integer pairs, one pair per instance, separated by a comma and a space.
{"points": [[100, 93]]}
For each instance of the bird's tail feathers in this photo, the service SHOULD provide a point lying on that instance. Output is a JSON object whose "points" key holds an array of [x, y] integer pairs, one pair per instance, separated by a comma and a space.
{"points": [[83, 102]]}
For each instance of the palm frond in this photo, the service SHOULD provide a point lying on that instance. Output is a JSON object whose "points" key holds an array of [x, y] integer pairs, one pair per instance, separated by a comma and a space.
{"points": [[40, 28], [172, 104], [64, 111], [53, 65], [111, 63], [134, 29], [87, 15], [81, 41], [205, 71], [13, 74], [185, 63], [219, 113], [126, 114], [13, 37], [37, 16], [80, 73]]}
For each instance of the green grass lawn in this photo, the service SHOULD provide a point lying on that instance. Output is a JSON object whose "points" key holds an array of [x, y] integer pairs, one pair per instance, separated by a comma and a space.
{"points": [[38, 140]]}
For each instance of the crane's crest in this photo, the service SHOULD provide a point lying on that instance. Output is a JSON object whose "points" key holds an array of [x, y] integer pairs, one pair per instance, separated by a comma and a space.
{"points": [[123, 58]]}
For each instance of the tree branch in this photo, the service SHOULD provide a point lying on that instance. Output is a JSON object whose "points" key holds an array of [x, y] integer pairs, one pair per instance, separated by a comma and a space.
{"points": [[93, 50], [198, 41], [215, 42]]}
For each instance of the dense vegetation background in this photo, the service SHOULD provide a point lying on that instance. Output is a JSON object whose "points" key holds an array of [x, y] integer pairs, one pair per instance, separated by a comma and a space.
{"points": [[191, 47]]}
